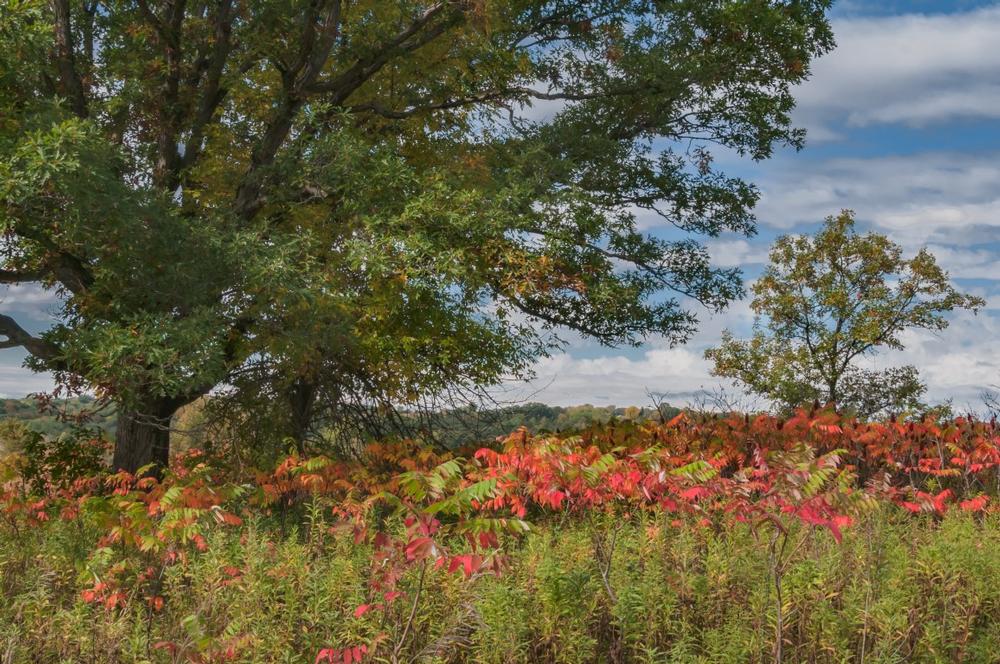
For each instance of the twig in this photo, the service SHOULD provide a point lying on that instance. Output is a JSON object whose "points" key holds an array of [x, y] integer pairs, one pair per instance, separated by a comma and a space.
{"points": [[413, 613]]}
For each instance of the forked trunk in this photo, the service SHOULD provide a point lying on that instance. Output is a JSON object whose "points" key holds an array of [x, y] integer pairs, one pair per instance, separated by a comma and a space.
{"points": [[143, 438]]}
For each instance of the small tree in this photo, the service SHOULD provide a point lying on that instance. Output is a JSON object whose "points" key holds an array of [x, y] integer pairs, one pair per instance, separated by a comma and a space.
{"points": [[824, 302]]}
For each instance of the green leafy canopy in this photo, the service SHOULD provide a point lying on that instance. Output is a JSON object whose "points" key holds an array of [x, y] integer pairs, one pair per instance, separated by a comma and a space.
{"points": [[351, 194], [826, 301]]}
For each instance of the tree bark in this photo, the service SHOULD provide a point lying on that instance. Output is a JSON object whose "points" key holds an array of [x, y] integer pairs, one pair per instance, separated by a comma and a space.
{"points": [[301, 399], [143, 438]]}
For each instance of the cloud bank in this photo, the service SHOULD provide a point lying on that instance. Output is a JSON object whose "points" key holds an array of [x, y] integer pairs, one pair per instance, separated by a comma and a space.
{"points": [[948, 198], [911, 69]]}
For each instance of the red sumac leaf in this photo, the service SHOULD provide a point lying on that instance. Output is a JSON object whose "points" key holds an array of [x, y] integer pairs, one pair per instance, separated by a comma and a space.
{"points": [[420, 548], [974, 504]]}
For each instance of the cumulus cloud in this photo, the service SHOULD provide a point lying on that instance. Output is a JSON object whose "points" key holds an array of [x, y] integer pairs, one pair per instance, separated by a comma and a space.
{"points": [[616, 379], [967, 263], [736, 253], [34, 308], [948, 198], [16, 381], [27, 296], [608, 376], [914, 69], [959, 363]]}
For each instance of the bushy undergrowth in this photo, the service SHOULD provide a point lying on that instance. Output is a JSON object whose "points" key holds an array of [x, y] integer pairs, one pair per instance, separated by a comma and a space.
{"points": [[740, 540]]}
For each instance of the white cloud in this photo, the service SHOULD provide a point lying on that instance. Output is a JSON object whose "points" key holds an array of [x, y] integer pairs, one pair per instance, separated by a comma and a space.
{"points": [[947, 198], [541, 110], [616, 379], [913, 69], [30, 295], [736, 253], [960, 362], [967, 263], [16, 381]]}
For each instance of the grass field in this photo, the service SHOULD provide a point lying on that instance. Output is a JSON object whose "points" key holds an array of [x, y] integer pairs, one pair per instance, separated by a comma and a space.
{"points": [[698, 540]]}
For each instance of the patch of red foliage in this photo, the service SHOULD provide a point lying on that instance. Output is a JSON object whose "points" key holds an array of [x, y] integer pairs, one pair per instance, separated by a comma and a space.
{"points": [[457, 513]]}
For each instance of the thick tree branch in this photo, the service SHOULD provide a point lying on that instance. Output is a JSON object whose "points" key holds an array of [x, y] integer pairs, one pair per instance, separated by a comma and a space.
{"points": [[302, 82], [19, 277], [89, 12], [312, 57], [213, 92], [341, 87], [170, 110], [317, 43], [18, 336], [70, 83], [69, 270], [234, 354], [71, 273], [152, 20]]}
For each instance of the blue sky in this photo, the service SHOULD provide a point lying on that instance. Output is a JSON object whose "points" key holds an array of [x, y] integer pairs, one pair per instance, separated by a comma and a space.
{"points": [[904, 128]]}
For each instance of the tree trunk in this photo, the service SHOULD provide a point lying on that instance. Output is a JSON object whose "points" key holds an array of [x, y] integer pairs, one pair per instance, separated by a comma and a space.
{"points": [[833, 394], [143, 438], [301, 399]]}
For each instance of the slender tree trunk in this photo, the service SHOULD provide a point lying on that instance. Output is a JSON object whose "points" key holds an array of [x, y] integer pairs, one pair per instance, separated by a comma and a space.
{"points": [[833, 394], [143, 437], [301, 399]]}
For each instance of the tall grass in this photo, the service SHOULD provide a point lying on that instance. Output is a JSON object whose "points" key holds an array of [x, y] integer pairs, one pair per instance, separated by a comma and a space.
{"points": [[897, 589]]}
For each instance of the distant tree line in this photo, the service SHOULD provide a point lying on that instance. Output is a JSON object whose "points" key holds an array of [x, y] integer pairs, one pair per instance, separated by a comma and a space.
{"points": [[448, 428]]}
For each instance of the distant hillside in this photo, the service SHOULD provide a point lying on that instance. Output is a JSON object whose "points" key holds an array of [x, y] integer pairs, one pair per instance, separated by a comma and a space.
{"points": [[462, 426], [451, 427], [50, 423]]}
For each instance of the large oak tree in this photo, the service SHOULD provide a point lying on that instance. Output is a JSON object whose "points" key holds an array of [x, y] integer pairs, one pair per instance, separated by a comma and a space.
{"points": [[406, 192]]}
